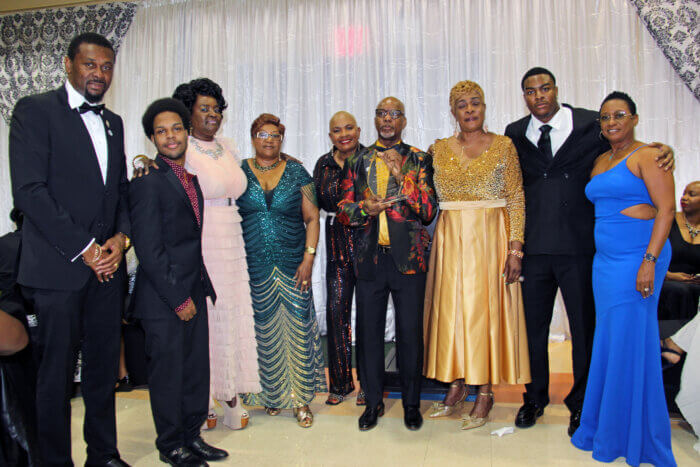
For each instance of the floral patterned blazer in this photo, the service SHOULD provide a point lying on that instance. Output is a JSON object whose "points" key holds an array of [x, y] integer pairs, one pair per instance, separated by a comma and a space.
{"points": [[406, 219]]}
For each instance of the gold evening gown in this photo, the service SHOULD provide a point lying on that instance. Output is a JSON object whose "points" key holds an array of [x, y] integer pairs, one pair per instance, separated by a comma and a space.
{"points": [[474, 323]]}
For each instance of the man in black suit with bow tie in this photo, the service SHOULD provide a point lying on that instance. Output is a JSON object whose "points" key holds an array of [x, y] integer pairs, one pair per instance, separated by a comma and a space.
{"points": [[557, 146], [169, 298], [68, 174]]}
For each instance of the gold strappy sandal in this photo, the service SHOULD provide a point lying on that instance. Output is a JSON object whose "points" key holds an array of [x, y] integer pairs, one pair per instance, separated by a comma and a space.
{"points": [[271, 411], [440, 409], [469, 422]]}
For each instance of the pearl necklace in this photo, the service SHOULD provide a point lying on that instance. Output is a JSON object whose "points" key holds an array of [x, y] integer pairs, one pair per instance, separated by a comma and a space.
{"points": [[213, 153]]}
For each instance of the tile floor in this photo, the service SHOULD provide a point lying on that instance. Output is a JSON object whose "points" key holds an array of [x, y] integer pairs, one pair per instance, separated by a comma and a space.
{"points": [[334, 439]]}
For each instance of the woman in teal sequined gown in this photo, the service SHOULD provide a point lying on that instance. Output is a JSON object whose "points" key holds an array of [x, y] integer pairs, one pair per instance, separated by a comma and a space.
{"points": [[280, 228]]}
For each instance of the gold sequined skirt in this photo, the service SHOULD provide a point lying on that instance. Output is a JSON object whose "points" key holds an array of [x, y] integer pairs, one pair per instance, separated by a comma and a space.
{"points": [[474, 324]]}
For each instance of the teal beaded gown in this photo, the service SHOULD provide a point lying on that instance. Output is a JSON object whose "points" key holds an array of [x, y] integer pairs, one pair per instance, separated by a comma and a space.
{"points": [[289, 346]]}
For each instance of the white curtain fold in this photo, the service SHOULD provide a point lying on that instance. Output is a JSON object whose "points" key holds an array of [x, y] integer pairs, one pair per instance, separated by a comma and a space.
{"points": [[306, 59]]}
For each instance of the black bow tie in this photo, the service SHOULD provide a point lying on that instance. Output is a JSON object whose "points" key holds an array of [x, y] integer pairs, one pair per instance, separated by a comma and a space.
{"points": [[85, 107]]}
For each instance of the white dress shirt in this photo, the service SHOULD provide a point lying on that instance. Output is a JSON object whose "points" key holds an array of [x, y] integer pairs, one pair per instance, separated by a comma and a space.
{"points": [[562, 124], [96, 128]]}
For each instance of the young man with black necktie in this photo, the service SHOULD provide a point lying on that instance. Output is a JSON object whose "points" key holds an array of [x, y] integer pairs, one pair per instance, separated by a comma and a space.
{"points": [[557, 146]]}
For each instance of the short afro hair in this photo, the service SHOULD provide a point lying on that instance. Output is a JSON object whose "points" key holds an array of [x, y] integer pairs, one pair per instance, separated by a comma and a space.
{"points": [[166, 104], [265, 119], [538, 70], [88, 38], [623, 97], [187, 93]]}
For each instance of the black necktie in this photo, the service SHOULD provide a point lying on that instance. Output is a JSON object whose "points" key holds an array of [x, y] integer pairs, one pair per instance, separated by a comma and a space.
{"points": [[85, 107], [545, 143]]}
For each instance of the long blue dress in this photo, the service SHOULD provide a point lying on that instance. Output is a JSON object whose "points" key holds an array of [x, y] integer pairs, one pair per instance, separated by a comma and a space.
{"points": [[289, 346], [624, 410]]}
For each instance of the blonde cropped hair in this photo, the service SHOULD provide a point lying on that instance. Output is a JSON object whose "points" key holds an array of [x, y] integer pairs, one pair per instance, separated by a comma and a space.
{"points": [[464, 87]]}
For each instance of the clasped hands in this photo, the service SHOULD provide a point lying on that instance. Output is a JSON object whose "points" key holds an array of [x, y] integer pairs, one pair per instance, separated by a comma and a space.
{"points": [[105, 263]]}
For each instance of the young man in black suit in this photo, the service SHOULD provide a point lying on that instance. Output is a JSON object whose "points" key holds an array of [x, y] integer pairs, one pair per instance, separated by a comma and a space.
{"points": [[557, 146], [166, 207], [68, 174]]}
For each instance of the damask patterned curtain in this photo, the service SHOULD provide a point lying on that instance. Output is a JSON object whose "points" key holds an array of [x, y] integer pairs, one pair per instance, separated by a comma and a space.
{"points": [[32, 45], [674, 26]]}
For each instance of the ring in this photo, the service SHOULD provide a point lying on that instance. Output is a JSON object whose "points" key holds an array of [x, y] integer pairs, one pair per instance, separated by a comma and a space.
{"points": [[646, 289]]}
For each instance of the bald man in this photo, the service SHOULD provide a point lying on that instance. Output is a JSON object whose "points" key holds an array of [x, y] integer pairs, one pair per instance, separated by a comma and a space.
{"points": [[340, 247], [388, 194]]}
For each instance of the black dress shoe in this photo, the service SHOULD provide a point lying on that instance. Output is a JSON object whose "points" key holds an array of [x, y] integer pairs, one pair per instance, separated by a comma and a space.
{"points": [[574, 422], [183, 457], [207, 451], [528, 414], [412, 418], [368, 419], [113, 462]]}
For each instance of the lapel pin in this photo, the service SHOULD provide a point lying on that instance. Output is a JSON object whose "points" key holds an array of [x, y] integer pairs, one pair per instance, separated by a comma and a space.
{"points": [[109, 132]]}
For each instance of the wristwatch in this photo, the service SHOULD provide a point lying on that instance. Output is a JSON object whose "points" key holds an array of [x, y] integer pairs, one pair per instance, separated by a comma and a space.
{"points": [[649, 257], [127, 242]]}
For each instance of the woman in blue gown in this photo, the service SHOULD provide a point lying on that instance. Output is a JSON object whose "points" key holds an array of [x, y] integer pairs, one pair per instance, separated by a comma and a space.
{"points": [[624, 410], [280, 228]]}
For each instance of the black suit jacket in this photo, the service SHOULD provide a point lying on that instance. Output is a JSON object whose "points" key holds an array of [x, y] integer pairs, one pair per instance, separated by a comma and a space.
{"points": [[57, 183], [168, 244], [558, 216]]}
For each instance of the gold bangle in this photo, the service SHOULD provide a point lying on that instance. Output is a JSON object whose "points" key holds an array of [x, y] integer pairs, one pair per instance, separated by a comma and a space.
{"points": [[310, 250], [517, 253]]}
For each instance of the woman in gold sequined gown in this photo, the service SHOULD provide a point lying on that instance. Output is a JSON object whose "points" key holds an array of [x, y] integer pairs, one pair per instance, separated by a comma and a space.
{"points": [[474, 322]]}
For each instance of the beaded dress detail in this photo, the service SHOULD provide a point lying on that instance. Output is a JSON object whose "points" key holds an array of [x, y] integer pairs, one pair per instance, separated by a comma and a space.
{"points": [[474, 322], [289, 346]]}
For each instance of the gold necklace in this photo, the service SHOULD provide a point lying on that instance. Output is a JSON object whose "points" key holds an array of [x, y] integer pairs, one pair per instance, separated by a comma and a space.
{"points": [[613, 152]]}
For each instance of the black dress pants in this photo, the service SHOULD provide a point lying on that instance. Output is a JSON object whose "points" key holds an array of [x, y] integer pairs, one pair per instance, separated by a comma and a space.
{"points": [[89, 320], [573, 275], [407, 292], [340, 284], [178, 375]]}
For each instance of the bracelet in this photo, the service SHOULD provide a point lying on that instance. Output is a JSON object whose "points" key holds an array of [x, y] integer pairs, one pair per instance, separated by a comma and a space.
{"points": [[310, 250], [97, 256], [649, 257], [517, 253]]}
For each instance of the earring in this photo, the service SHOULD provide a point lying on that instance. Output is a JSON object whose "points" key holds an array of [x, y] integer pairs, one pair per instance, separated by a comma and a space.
{"points": [[600, 135]]}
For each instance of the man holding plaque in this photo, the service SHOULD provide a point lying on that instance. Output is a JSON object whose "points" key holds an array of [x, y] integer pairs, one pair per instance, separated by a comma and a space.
{"points": [[388, 194]]}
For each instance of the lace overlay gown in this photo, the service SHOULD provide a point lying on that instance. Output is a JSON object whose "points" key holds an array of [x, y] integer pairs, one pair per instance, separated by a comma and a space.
{"points": [[474, 324], [232, 346]]}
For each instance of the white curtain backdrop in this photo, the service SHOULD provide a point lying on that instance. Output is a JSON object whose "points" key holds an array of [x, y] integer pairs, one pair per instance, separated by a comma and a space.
{"points": [[306, 59]]}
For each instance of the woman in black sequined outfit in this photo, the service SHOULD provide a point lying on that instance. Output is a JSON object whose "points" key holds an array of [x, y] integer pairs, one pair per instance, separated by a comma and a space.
{"points": [[340, 275]]}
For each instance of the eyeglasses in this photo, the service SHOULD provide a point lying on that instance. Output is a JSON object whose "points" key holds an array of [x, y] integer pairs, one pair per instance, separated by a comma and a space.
{"points": [[266, 135], [381, 113], [617, 116]]}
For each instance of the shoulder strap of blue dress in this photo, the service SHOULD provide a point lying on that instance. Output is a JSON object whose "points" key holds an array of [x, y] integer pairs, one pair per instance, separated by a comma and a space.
{"points": [[640, 147]]}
